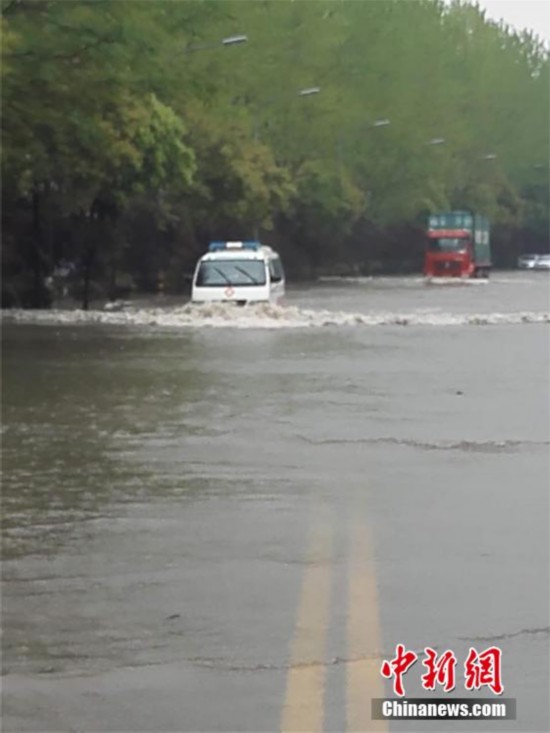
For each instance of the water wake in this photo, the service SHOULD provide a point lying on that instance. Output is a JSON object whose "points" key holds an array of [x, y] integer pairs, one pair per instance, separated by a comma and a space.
{"points": [[264, 315]]}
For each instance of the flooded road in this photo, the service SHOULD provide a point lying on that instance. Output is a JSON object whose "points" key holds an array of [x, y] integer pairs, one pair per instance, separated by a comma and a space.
{"points": [[226, 521]]}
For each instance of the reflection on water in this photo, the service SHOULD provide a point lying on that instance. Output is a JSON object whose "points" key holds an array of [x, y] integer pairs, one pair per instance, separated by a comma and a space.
{"points": [[75, 405]]}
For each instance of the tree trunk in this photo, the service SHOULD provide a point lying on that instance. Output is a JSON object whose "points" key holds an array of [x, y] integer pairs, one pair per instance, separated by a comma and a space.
{"points": [[39, 296], [87, 276]]}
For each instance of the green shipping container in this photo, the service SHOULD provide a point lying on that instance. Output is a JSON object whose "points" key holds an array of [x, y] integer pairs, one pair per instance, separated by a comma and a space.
{"points": [[482, 240]]}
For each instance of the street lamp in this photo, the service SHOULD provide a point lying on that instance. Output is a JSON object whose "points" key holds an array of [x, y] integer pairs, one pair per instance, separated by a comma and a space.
{"points": [[228, 41], [234, 40], [339, 140], [306, 92], [309, 91]]}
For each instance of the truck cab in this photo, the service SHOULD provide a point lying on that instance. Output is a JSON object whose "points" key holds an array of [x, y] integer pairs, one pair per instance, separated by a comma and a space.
{"points": [[458, 245]]}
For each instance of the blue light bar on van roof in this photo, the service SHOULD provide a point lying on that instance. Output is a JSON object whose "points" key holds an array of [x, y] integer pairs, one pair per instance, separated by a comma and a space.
{"points": [[219, 246]]}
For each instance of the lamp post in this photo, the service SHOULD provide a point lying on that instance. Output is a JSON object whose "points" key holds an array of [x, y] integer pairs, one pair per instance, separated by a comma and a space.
{"points": [[339, 138], [306, 92]]}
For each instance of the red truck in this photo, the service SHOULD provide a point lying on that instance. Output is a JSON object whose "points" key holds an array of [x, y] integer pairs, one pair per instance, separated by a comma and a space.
{"points": [[458, 245]]}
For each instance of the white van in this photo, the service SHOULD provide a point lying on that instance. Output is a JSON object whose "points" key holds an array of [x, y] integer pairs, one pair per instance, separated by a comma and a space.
{"points": [[238, 272]]}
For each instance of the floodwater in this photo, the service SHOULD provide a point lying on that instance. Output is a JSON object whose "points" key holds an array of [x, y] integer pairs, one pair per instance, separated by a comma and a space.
{"points": [[225, 519]]}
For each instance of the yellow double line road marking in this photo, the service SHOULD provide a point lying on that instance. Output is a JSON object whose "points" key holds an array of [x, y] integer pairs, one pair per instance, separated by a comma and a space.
{"points": [[304, 708], [364, 636], [305, 692]]}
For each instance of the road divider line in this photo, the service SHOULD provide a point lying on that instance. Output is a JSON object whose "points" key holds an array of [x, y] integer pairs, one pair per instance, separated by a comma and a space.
{"points": [[304, 700], [364, 636]]}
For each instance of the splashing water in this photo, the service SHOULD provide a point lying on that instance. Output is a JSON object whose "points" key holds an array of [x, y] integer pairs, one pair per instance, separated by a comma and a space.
{"points": [[262, 315]]}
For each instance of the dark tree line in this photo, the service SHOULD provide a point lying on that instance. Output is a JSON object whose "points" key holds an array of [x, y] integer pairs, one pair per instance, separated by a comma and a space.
{"points": [[132, 135]]}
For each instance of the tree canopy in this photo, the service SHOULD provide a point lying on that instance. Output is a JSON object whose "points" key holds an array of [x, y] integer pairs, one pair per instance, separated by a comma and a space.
{"points": [[135, 132]]}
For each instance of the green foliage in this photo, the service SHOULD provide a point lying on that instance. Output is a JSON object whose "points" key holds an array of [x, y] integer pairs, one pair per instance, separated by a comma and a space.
{"points": [[120, 114], [240, 186]]}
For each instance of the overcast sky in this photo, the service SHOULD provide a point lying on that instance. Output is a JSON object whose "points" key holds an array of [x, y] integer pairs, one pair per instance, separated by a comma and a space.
{"points": [[532, 15]]}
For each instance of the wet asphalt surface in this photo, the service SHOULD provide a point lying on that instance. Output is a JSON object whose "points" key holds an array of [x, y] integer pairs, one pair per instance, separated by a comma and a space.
{"points": [[161, 489]]}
